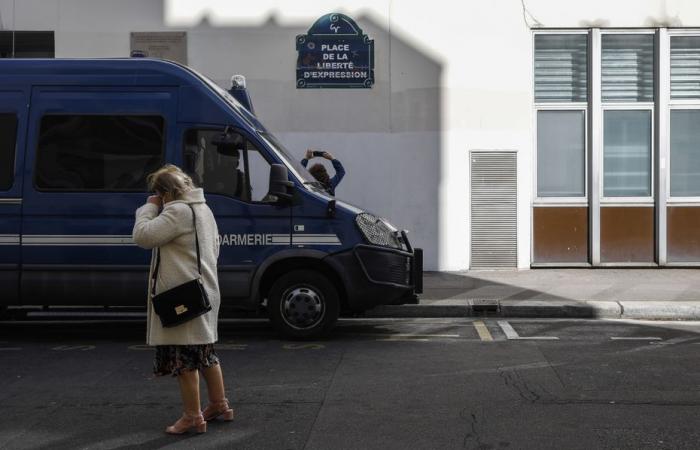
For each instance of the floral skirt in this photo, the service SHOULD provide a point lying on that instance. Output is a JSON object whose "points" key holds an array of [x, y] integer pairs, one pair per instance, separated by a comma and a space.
{"points": [[173, 359]]}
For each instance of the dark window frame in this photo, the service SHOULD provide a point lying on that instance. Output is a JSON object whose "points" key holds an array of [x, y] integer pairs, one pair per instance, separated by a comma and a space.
{"points": [[163, 152], [28, 43]]}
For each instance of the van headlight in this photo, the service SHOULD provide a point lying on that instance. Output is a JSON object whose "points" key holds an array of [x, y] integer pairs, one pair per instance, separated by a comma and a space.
{"points": [[378, 231]]}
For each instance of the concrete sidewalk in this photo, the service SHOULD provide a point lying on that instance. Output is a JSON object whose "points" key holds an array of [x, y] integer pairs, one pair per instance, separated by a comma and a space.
{"points": [[663, 294]]}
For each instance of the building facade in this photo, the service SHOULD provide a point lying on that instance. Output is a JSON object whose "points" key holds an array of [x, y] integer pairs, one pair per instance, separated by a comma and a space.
{"points": [[501, 134]]}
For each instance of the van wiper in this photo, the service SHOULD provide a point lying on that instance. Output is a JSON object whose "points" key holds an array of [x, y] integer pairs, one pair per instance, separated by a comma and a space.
{"points": [[316, 184]]}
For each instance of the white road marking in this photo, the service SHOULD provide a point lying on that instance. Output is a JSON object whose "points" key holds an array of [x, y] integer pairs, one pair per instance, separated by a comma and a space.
{"points": [[508, 330], [657, 344], [496, 370], [141, 347], [407, 335], [74, 347], [303, 346], [411, 337], [483, 331], [10, 348], [230, 346], [640, 338], [511, 334], [684, 323]]}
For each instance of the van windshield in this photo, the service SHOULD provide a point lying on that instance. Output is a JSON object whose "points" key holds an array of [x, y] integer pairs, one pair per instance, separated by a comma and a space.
{"points": [[291, 162]]}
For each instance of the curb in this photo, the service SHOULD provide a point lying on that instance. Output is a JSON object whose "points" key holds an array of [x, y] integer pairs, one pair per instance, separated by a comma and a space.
{"points": [[649, 310]]}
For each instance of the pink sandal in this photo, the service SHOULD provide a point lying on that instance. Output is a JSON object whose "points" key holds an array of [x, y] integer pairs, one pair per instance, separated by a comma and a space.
{"points": [[187, 422], [218, 409]]}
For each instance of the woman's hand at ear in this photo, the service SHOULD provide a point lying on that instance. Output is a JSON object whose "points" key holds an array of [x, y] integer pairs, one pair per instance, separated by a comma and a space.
{"points": [[156, 200]]}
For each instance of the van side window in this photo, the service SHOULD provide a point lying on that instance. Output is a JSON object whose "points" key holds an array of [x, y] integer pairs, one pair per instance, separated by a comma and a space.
{"points": [[243, 174], [98, 153], [8, 141]]}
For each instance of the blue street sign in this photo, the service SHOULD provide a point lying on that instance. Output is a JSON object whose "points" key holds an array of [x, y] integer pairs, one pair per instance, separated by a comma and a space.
{"points": [[335, 53]]}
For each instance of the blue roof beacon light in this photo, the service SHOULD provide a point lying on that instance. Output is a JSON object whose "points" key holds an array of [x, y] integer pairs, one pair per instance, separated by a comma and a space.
{"points": [[239, 92]]}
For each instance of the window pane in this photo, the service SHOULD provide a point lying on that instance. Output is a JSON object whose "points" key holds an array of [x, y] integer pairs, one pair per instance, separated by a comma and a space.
{"points": [[561, 154], [225, 174], [685, 67], [259, 174], [628, 68], [627, 154], [8, 137], [98, 153], [685, 153], [561, 68], [216, 172]]}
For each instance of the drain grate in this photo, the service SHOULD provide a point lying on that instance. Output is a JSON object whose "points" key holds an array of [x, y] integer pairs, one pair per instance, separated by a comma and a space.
{"points": [[484, 306]]}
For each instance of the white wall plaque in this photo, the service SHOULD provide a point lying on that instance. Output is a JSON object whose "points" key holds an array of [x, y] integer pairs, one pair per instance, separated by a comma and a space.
{"points": [[171, 45]]}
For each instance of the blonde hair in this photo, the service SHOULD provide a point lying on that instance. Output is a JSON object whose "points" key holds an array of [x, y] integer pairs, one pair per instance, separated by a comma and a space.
{"points": [[170, 179]]}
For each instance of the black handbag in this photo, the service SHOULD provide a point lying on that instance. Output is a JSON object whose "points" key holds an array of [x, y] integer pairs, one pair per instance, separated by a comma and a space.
{"points": [[184, 302]]}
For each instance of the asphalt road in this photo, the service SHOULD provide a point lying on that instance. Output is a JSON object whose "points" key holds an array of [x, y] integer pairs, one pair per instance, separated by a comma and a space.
{"points": [[374, 384]]}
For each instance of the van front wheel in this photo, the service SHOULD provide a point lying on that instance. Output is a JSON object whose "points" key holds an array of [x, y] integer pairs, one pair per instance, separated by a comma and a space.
{"points": [[303, 304]]}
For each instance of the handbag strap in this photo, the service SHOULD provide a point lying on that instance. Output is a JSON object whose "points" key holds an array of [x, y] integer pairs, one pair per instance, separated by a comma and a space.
{"points": [[154, 277]]}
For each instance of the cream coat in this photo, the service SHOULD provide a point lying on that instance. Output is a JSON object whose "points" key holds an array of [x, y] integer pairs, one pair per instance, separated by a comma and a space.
{"points": [[173, 233]]}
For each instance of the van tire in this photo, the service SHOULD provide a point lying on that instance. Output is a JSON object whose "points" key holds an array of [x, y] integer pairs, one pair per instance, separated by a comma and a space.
{"points": [[303, 304]]}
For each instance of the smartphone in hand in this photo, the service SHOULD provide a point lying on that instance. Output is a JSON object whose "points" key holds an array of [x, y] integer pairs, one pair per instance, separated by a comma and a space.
{"points": [[317, 154]]}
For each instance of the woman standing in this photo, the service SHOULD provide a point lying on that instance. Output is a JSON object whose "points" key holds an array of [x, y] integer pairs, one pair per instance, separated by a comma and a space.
{"points": [[186, 349]]}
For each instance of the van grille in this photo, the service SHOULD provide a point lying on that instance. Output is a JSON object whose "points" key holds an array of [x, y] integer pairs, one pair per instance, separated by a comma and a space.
{"points": [[386, 267]]}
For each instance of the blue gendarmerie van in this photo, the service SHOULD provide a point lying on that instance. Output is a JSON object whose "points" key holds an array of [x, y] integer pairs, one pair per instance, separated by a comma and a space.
{"points": [[78, 138]]}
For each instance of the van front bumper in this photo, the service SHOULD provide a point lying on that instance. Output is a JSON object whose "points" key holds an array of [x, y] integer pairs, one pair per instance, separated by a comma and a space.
{"points": [[379, 276]]}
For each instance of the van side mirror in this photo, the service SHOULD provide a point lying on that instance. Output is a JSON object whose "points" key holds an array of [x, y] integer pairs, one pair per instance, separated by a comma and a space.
{"points": [[280, 186]]}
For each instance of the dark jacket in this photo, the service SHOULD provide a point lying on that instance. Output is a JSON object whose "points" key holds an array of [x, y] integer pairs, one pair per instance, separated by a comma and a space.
{"points": [[335, 180]]}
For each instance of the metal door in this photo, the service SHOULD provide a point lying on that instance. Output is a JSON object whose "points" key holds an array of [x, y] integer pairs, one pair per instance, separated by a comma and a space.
{"points": [[493, 209]]}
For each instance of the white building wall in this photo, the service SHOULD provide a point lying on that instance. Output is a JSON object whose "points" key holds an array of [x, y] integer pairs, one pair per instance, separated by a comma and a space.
{"points": [[451, 77]]}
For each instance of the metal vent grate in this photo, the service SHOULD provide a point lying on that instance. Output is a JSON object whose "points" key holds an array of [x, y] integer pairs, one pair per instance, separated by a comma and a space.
{"points": [[493, 210]]}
